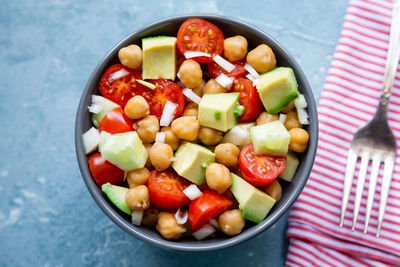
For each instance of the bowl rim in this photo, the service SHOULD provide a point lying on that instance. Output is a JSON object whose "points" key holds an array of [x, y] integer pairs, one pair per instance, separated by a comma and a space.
{"points": [[254, 230]]}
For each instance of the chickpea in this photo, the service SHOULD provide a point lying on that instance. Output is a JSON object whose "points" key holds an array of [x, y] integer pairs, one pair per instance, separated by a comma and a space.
{"points": [[137, 177], [218, 177], [231, 222], [168, 227], [212, 87], [131, 56], [150, 216], [274, 190], [235, 48], [190, 73], [148, 162], [137, 107], [227, 154], [191, 109], [186, 127], [292, 121], [147, 128], [209, 136], [199, 89], [298, 139], [289, 107], [170, 138], [138, 198], [265, 117], [160, 156], [261, 58]]}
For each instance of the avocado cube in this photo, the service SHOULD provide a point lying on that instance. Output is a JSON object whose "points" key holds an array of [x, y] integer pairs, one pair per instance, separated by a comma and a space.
{"points": [[277, 89], [117, 196], [253, 203], [271, 138], [219, 111], [291, 167], [191, 162], [159, 57]]}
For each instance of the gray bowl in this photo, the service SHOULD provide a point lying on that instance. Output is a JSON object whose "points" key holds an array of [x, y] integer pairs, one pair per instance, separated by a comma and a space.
{"points": [[291, 191]]}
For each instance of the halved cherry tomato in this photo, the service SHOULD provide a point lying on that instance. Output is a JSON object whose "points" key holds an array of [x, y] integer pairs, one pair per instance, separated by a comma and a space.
{"points": [[249, 98], [119, 90], [260, 170], [214, 69], [206, 207], [166, 189], [115, 121], [104, 171], [200, 35]]}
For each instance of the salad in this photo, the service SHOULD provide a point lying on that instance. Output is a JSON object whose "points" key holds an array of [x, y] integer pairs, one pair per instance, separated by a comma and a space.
{"points": [[191, 133]]}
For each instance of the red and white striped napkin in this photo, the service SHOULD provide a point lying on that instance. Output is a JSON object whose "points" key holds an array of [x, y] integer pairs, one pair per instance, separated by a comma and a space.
{"points": [[348, 102]]}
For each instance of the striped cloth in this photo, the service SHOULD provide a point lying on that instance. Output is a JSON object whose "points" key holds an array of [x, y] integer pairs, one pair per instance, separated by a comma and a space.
{"points": [[349, 101]]}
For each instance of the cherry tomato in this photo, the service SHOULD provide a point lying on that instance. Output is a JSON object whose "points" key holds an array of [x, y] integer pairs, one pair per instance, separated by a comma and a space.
{"points": [[200, 35], [121, 89], [260, 170], [214, 69], [249, 98], [166, 189], [115, 121], [206, 207], [104, 171]]}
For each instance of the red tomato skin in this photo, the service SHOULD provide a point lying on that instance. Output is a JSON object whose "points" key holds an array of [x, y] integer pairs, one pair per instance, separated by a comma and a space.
{"points": [[250, 169], [206, 207], [214, 69], [104, 171], [167, 194], [115, 121]]}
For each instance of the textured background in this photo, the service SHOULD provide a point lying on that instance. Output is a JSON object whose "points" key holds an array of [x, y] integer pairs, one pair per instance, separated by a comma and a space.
{"points": [[47, 52]]}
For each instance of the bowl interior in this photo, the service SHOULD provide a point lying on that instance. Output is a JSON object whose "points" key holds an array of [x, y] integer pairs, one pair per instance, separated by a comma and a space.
{"points": [[291, 190]]}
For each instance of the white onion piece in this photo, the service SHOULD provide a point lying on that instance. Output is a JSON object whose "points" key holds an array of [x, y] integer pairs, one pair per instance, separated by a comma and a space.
{"points": [[191, 95], [250, 77], [160, 137], [300, 102], [226, 65], [97, 99], [168, 113], [103, 138], [303, 116], [192, 192], [118, 74], [90, 140], [256, 81], [282, 117], [214, 223], [251, 70], [224, 80], [137, 216], [181, 216], [95, 123], [147, 84], [191, 54], [203, 232], [95, 108], [236, 136]]}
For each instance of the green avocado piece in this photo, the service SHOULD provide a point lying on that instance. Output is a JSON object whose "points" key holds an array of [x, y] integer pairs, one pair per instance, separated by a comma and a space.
{"points": [[219, 111], [124, 150], [271, 138], [277, 89], [117, 196], [291, 167], [253, 203], [159, 57], [106, 105], [191, 162]]}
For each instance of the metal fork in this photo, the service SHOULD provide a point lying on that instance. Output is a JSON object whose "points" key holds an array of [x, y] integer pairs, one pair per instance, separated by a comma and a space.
{"points": [[375, 141]]}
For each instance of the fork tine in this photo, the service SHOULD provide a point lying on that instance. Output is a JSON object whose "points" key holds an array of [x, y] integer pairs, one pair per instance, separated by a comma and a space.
{"points": [[360, 185], [387, 177], [351, 164], [376, 162]]}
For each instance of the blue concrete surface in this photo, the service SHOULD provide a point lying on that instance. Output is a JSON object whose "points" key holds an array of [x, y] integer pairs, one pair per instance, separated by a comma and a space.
{"points": [[47, 51]]}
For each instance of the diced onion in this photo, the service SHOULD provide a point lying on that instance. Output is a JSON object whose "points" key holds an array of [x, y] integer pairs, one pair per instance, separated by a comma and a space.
{"points": [[181, 216], [214, 223], [191, 54], [300, 102], [103, 138], [236, 136], [282, 117], [137, 216], [224, 80], [118, 74], [192, 192], [160, 137], [95, 123], [90, 140], [250, 77], [251, 70], [203, 232], [95, 108], [226, 65], [168, 113], [147, 84], [256, 81], [97, 99], [191, 95], [303, 116]]}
